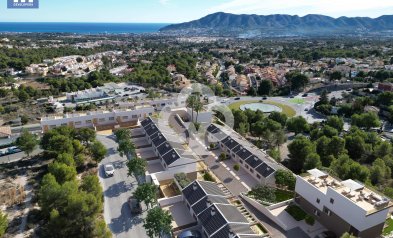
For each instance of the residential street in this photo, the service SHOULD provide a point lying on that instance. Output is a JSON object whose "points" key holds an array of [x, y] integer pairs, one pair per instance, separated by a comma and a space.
{"points": [[117, 190]]}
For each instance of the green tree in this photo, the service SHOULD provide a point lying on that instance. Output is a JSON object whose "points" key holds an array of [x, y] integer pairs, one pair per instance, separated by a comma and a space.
{"points": [[346, 168], [59, 144], [265, 87], [62, 172], [91, 185], [356, 146], [122, 134], [158, 222], [197, 108], [336, 75], [126, 147], [27, 142], [65, 159], [3, 223], [136, 167], [312, 161], [147, 193], [98, 151], [297, 125], [285, 178], [336, 146], [86, 135], [366, 120], [335, 122], [279, 117], [379, 172], [299, 150], [297, 80]]}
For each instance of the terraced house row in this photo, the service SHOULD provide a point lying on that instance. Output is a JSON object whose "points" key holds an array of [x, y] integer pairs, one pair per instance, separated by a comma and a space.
{"points": [[256, 162]]}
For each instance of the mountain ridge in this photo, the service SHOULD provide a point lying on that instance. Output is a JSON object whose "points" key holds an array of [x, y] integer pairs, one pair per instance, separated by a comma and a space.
{"points": [[227, 22]]}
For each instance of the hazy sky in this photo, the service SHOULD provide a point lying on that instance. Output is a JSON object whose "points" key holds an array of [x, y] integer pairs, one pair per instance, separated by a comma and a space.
{"points": [[172, 11]]}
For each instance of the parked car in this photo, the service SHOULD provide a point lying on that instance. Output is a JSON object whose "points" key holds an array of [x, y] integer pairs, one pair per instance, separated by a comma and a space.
{"points": [[135, 206], [236, 99], [109, 170], [190, 234], [305, 95], [327, 234], [13, 150], [264, 98]]}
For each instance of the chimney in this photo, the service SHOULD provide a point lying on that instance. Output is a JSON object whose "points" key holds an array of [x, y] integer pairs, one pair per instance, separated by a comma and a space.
{"points": [[231, 234], [194, 186], [208, 203], [213, 211]]}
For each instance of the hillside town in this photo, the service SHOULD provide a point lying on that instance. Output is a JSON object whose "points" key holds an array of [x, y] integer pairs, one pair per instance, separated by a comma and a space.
{"points": [[147, 136]]}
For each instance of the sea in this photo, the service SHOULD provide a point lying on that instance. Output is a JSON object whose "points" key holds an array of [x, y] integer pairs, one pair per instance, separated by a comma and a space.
{"points": [[80, 28]]}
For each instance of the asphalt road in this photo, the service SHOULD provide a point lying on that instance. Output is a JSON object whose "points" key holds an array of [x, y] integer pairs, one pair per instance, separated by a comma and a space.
{"points": [[117, 190]]}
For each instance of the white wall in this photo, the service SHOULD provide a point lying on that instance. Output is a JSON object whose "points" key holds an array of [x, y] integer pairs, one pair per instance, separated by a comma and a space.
{"points": [[342, 206], [86, 120], [169, 201]]}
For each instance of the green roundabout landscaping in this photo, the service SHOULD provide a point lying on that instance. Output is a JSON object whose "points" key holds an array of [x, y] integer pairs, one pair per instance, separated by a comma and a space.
{"points": [[289, 111]]}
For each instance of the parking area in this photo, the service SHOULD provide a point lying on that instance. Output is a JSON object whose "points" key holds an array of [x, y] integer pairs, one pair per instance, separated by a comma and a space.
{"points": [[137, 132], [140, 142], [182, 218], [154, 167], [146, 153]]}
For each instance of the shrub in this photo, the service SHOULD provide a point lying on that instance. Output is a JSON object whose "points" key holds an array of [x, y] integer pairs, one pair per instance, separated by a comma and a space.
{"points": [[212, 146], [208, 177], [182, 179], [222, 156], [236, 167], [296, 212], [309, 220], [263, 194]]}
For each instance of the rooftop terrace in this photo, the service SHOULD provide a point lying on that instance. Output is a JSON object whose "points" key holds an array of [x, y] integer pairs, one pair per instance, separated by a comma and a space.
{"points": [[366, 198]]}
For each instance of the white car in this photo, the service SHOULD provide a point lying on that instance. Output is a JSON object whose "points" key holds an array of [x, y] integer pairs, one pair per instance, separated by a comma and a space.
{"points": [[109, 170]]}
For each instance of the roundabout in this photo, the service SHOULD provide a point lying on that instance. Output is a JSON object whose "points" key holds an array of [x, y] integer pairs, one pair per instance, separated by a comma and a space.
{"points": [[256, 104], [263, 107]]}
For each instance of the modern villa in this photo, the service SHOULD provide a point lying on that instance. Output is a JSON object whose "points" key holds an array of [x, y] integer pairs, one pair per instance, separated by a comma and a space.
{"points": [[342, 206]]}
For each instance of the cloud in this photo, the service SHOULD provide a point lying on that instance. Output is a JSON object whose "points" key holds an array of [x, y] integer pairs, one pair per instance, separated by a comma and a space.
{"points": [[303, 7], [164, 2]]}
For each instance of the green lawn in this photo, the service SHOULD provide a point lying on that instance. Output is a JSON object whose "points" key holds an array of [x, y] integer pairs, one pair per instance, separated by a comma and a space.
{"points": [[282, 195], [296, 212], [389, 227], [289, 111], [297, 100]]}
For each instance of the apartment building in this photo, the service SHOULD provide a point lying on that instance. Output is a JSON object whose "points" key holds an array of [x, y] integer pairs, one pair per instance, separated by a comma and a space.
{"points": [[256, 162], [342, 206], [217, 216], [169, 147], [98, 120]]}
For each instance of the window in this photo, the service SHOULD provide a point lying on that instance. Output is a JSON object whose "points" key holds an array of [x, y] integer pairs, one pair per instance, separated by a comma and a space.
{"points": [[125, 117], [246, 166], [101, 119], [331, 200], [88, 121], [77, 123], [258, 176], [318, 201], [241, 161], [111, 118], [327, 211], [317, 213], [64, 124], [134, 116], [251, 170]]}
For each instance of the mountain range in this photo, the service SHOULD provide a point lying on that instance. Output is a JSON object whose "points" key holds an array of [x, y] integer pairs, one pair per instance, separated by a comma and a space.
{"points": [[225, 23]]}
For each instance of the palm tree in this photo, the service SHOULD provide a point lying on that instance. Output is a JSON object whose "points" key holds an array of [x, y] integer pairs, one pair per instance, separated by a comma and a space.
{"points": [[198, 107], [190, 103]]}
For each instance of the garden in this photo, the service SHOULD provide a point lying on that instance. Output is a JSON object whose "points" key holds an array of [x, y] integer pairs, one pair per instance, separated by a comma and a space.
{"points": [[268, 195]]}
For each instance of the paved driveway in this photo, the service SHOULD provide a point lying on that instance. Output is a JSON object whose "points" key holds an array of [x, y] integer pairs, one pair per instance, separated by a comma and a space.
{"points": [[117, 190]]}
